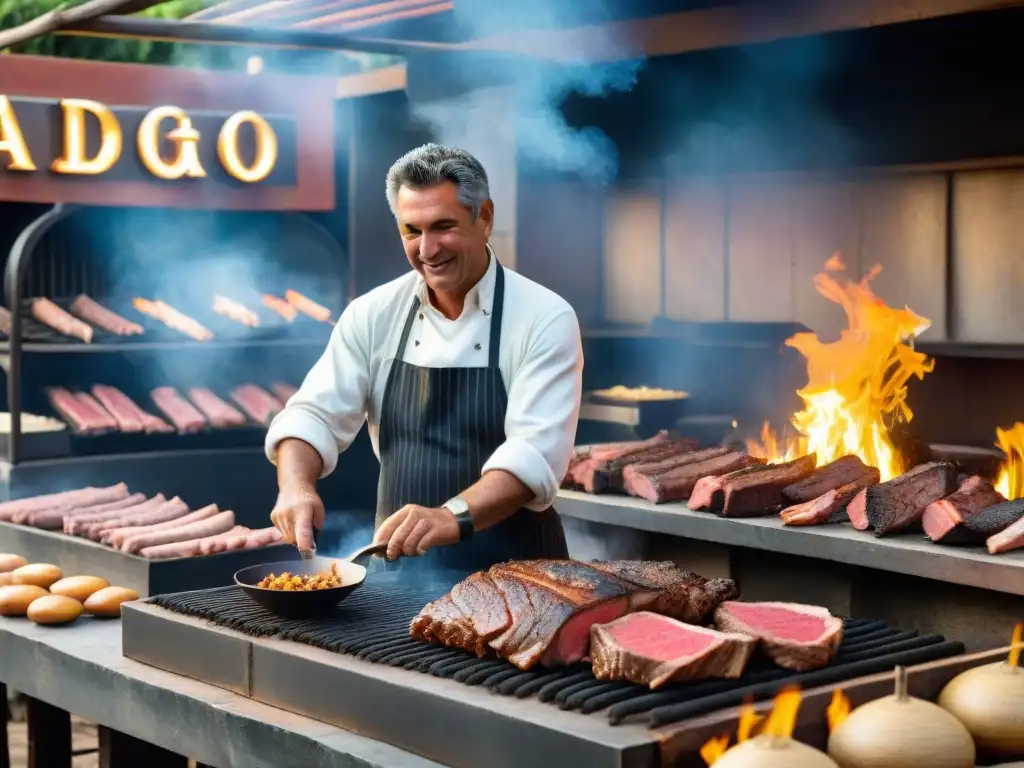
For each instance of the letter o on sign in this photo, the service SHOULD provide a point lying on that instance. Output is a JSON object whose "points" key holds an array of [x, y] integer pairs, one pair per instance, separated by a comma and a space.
{"points": [[266, 148]]}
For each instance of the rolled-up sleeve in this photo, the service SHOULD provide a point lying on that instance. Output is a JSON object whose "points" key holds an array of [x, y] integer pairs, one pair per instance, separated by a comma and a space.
{"points": [[330, 406], [543, 409]]}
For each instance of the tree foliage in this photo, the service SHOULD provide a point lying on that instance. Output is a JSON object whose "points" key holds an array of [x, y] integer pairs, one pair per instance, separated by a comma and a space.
{"points": [[15, 12]]}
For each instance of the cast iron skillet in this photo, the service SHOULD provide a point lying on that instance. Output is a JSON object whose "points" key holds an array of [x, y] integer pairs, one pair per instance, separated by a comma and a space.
{"points": [[305, 604]]}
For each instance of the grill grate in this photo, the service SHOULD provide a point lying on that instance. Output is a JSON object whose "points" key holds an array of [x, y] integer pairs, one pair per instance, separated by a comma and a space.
{"points": [[373, 625]]}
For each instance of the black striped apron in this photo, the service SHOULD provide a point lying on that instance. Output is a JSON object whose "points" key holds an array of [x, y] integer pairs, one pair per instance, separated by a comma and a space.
{"points": [[438, 426]]}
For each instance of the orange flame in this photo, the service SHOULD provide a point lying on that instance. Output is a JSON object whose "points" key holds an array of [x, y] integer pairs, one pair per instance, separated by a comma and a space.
{"points": [[838, 709], [714, 748], [858, 383], [1015, 646], [782, 720], [749, 720], [1011, 475], [780, 724]]}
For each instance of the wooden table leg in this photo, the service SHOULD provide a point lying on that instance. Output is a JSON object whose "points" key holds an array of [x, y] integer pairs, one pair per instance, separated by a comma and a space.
{"points": [[49, 735], [118, 750], [5, 749]]}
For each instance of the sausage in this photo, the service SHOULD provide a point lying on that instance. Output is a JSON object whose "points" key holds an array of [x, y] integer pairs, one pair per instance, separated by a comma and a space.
{"points": [[53, 519], [190, 548], [116, 536], [76, 525], [78, 497], [233, 539], [221, 523], [169, 510], [263, 537]]}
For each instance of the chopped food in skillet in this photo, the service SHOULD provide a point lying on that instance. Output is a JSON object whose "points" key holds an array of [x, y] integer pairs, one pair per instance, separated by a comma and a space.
{"points": [[293, 582]]}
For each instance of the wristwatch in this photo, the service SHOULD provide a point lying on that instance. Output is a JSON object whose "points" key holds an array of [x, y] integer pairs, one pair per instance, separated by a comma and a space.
{"points": [[458, 507]]}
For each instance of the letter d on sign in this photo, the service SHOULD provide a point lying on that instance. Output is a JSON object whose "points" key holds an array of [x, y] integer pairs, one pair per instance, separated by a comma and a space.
{"points": [[266, 148], [74, 161]]}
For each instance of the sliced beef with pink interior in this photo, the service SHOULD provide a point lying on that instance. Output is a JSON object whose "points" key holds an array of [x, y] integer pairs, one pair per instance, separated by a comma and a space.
{"points": [[899, 504], [944, 520], [830, 507], [760, 493], [607, 475], [1011, 536], [587, 459], [652, 650], [673, 479], [702, 496], [857, 511], [845, 470], [541, 611], [794, 636]]}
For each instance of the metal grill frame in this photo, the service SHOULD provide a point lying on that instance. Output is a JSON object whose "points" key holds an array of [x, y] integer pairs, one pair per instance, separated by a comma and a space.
{"points": [[412, 711]]}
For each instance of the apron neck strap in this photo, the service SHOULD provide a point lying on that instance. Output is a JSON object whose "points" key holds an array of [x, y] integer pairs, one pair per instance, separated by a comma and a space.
{"points": [[497, 311]]}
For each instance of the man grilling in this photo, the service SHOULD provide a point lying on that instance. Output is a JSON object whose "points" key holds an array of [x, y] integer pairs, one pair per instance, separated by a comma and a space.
{"points": [[470, 376]]}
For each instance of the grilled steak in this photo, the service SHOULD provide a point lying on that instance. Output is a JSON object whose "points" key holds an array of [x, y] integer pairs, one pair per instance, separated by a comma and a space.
{"points": [[857, 510], [587, 460], [608, 474], [541, 611], [1012, 536], [760, 493], [703, 494], [650, 482], [844, 471], [943, 519], [830, 507], [794, 636], [898, 504], [652, 650]]}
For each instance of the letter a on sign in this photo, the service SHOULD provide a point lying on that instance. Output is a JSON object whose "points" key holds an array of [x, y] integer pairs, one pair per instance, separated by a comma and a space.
{"points": [[12, 142]]}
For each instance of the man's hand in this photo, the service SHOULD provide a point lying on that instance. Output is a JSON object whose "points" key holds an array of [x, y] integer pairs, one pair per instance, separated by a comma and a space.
{"points": [[413, 530], [297, 511]]}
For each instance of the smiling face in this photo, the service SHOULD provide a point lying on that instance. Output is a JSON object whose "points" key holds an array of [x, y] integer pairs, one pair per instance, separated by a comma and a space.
{"points": [[442, 241]]}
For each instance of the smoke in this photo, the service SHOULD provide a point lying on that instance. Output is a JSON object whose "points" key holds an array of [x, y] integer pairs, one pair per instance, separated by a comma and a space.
{"points": [[510, 107], [344, 532]]}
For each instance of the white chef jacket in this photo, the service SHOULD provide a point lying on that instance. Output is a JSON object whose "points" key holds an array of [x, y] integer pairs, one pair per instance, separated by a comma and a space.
{"points": [[541, 362]]}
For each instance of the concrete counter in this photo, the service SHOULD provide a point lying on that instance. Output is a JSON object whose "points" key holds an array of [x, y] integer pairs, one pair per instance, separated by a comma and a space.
{"points": [[80, 669], [909, 554], [962, 593]]}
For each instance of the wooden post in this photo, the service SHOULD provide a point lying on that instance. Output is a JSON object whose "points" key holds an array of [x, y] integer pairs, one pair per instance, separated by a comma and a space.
{"points": [[49, 735], [119, 750], [5, 716]]}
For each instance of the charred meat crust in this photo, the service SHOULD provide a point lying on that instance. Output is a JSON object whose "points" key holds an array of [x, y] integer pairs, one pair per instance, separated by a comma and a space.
{"points": [[760, 493], [843, 471], [535, 610], [899, 504], [678, 482]]}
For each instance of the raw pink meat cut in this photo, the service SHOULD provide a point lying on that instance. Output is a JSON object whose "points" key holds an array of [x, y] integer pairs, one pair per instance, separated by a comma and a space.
{"points": [[653, 650], [794, 636]]}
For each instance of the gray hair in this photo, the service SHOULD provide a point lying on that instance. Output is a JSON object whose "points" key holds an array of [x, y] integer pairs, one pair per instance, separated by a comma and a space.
{"points": [[434, 164]]}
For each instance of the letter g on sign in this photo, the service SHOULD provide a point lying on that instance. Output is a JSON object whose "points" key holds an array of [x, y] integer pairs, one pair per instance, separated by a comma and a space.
{"points": [[266, 148]]}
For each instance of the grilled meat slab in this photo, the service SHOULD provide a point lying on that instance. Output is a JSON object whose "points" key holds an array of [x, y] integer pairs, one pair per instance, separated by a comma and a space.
{"points": [[653, 650], [585, 462], [843, 471], [541, 611], [703, 494], [760, 493], [899, 504], [607, 475], [943, 520], [650, 482], [1012, 536], [830, 507], [794, 636]]}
